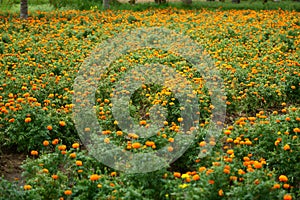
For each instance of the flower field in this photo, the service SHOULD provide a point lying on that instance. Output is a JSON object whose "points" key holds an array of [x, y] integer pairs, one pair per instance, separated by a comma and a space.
{"points": [[257, 155]]}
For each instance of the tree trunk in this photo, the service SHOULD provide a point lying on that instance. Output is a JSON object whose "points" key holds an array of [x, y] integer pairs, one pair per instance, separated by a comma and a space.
{"points": [[160, 1], [106, 4], [24, 9], [187, 2]]}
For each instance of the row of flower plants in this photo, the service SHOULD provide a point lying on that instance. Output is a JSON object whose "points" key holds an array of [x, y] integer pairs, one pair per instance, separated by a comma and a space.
{"points": [[256, 157]]}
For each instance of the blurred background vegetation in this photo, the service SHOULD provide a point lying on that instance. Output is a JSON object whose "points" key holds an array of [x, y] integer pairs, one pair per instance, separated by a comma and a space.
{"points": [[13, 6]]}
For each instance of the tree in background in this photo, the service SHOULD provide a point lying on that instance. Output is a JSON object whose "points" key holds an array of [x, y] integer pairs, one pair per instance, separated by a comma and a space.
{"points": [[160, 1], [105, 4], [187, 2], [24, 9]]}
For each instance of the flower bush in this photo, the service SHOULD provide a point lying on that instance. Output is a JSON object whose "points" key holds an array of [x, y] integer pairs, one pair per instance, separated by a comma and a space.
{"points": [[256, 156]]}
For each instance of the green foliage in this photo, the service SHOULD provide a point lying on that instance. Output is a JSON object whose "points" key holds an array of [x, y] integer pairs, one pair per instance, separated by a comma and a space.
{"points": [[259, 143], [13, 190]]}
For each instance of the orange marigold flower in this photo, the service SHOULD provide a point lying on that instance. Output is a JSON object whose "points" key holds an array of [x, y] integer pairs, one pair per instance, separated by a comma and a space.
{"points": [[62, 123], [246, 158], [170, 149], [177, 174], [233, 178], [229, 140], [136, 145], [286, 186], [113, 174], [50, 128], [119, 133], [45, 143], [211, 182], [27, 187], [188, 179], [196, 177], [45, 170], [226, 171], [94, 177], [133, 135], [149, 143], [287, 197], [240, 171], [220, 192], [78, 162], [283, 110], [209, 171], [75, 145], [283, 178], [286, 147], [73, 155], [55, 141], [27, 120], [276, 186], [295, 137], [62, 147], [249, 169], [34, 153], [202, 144], [143, 122], [201, 169], [230, 151], [256, 182], [227, 132], [257, 165], [54, 176], [68, 192], [296, 130], [227, 167]]}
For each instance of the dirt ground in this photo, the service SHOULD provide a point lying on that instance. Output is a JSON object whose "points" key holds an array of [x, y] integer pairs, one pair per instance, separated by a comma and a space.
{"points": [[10, 165]]}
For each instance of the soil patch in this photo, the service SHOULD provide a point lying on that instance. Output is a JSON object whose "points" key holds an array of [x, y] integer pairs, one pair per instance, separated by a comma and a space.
{"points": [[10, 165]]}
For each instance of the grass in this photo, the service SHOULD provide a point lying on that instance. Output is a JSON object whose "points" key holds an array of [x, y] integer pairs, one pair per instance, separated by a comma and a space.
{"points": [[13, 6], [228, 5]]}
